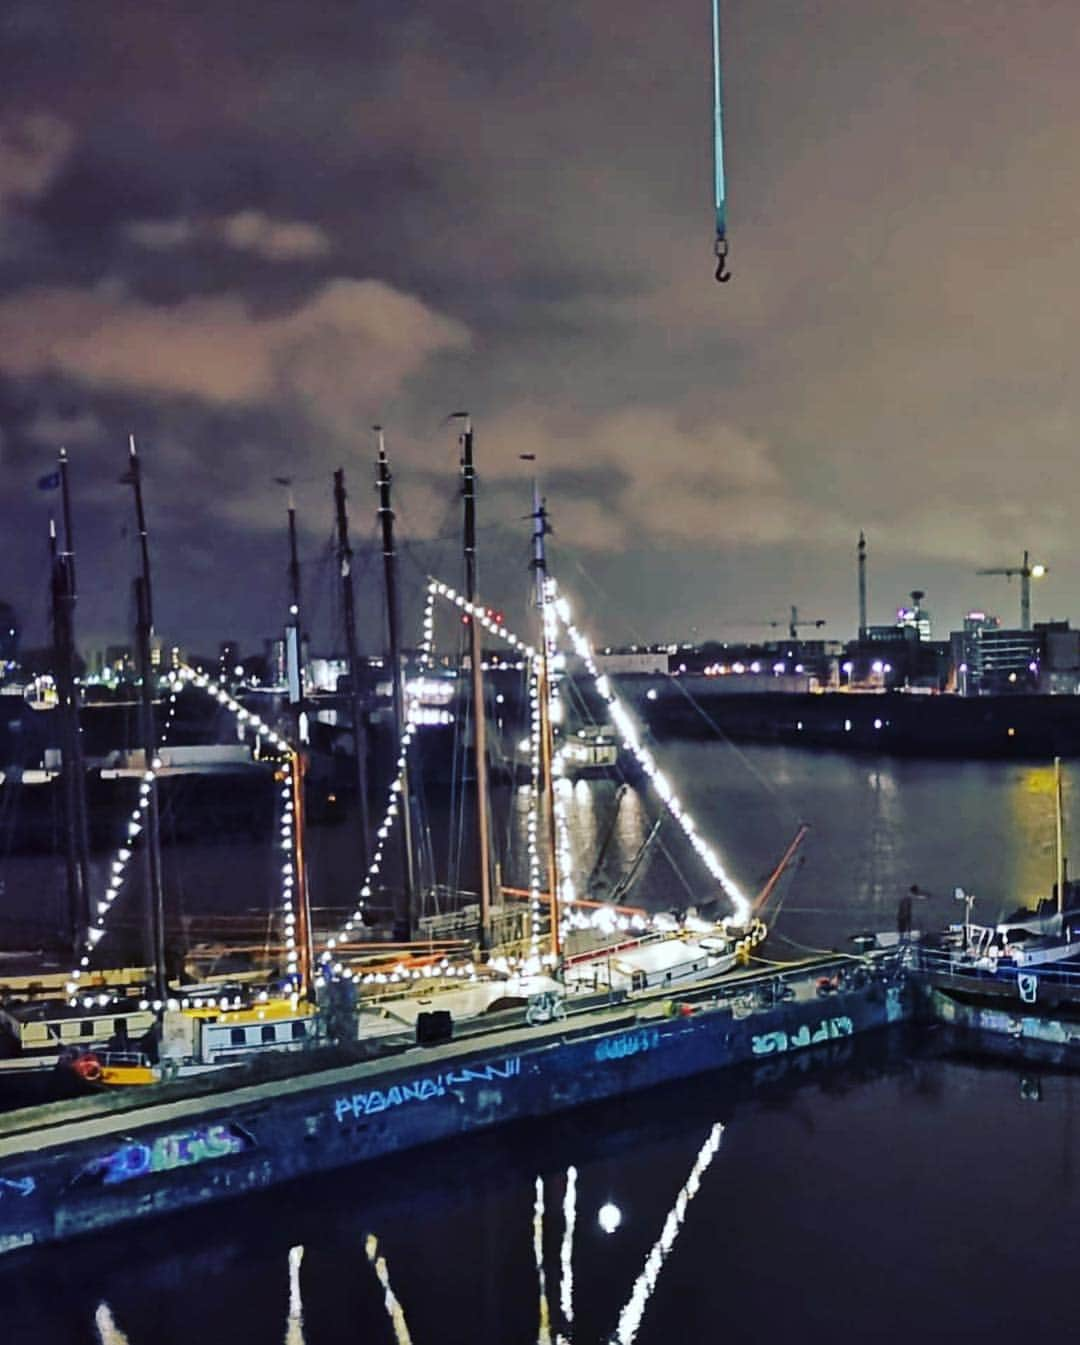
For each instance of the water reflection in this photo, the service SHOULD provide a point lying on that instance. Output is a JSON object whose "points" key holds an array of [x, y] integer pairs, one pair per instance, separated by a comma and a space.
{"points": [[1032, 805]]}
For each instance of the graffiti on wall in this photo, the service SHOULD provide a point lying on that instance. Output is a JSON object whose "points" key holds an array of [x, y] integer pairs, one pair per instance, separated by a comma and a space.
{"points": [[166, 1153], [22, 1186], [627, 1044], [422, 1089], [828, 1030]]}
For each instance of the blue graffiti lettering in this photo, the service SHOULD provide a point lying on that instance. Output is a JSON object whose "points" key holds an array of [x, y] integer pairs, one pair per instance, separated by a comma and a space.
{"points": [[628, 1044], [827, 1030], [423, 1089], [770, 1042], [167, 1152], [25, 1186]]}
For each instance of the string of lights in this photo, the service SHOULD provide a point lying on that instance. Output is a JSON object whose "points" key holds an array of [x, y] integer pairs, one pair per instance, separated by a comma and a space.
{"points": [[624, 723], [395, 802], [532, 824], [265, 733]]}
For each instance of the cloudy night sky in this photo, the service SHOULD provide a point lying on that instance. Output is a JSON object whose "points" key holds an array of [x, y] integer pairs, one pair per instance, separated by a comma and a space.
{"points": [[246, 231]]}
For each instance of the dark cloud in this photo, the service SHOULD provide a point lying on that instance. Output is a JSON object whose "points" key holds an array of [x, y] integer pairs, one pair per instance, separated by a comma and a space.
{"points": [[248, 230]]}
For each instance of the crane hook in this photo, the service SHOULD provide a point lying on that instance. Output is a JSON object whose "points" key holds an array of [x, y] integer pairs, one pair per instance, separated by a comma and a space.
{"points": [[723, 275]]}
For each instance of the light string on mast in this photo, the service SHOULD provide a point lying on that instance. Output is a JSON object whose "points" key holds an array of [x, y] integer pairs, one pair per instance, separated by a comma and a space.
{"points": [[135, 824], [122, 857], [393, 808], [532, 825], [287, 839], [435, 590], [625, 724]]}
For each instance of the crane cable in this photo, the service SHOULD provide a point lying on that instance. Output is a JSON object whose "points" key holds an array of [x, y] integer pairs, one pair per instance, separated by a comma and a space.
{"points": [[723, 275]]}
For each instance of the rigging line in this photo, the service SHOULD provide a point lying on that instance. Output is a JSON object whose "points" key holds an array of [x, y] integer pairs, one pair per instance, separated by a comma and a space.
{"points": [[761, 778], [814, 952], [674, 866]]}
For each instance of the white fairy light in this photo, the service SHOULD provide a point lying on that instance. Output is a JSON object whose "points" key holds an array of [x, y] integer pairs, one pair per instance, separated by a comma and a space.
{"points": [[675, 807]]}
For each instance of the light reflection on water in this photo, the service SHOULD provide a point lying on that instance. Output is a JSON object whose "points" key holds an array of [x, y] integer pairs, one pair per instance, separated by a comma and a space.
{"points": [[890, 1200], [872, 1202], [878, 825]]}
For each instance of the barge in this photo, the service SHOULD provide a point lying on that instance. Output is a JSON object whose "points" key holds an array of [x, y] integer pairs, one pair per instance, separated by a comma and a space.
{"points": [[79, 1167]]}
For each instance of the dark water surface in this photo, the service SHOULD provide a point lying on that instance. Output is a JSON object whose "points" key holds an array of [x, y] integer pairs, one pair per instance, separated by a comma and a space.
{"points": [[872, 1194]]}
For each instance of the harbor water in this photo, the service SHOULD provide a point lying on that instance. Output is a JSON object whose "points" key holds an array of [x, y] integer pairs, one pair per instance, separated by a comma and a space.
{"points": [[879, 1190]]}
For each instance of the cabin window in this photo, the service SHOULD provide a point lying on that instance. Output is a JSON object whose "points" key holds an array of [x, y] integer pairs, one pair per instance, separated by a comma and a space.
{"points": [[86, 1029], [269, 1033], [238, 1036], [299, 1030]]}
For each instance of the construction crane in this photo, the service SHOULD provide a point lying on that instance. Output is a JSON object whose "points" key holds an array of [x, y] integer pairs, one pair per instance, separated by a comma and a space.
{"points": [[1027, 573], [721, 245], [793, 622]]}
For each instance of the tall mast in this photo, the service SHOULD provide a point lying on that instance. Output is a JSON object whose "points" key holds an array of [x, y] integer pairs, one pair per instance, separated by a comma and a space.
{"points": [[76, 849], [404, 915], [539, 565], [862, 585], [144, 628], [1059, 836], [483, 822], [294, 648], [348, 608]]}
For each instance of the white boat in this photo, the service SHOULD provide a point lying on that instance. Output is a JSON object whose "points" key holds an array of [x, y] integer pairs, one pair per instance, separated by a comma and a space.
{"points": [[656, 961]]}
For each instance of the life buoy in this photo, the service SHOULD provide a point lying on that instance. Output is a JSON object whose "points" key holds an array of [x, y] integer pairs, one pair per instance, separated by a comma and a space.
{"points": [[87, 1067]]}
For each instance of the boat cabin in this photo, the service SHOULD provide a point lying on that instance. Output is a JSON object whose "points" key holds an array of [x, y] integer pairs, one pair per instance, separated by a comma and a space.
{"points": [[228, 1029], [44, 1028]]}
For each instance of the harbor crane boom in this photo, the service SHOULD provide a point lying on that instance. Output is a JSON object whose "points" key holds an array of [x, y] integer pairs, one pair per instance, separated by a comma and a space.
{"points": [[1027, 573], [793, 622], [720, 195]]}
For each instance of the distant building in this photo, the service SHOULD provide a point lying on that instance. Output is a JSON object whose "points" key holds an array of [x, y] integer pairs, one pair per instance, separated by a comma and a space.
{"points": [[637, 660], [990, 660], [118, 659], [916, 617]]}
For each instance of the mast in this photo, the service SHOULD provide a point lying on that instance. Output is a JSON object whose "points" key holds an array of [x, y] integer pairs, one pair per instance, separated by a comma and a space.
{"points": [[294, 646], [862, 586], [483, 821], [77, 844], [348, 609], [1059, 830], [539, 565], [403, 916], [144, 628]]}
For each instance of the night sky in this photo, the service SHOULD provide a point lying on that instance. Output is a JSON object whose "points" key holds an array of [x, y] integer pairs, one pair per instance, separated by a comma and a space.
{"points": [[247, 231]]}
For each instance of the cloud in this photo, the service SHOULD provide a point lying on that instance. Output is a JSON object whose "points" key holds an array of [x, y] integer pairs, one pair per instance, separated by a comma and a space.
{"points": [[351, 344], [33, 149], [652, 476], [249, 231]]}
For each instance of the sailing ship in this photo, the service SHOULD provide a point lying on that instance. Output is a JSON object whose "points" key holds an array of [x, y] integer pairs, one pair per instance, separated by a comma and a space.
{"points": [[504, 948]]}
